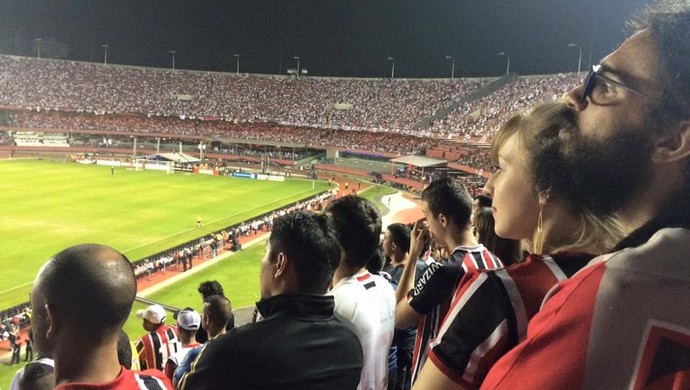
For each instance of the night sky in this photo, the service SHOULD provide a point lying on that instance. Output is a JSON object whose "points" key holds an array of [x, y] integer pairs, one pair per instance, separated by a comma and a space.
{"points": [[349, 38]]}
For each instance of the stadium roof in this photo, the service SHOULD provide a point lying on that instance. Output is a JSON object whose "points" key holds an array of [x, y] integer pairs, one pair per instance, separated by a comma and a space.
{"points": [[419, 161], [179, 157]]}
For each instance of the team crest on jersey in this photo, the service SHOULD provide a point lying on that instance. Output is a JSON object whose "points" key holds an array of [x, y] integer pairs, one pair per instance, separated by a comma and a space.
{"points": [[664, 357]]}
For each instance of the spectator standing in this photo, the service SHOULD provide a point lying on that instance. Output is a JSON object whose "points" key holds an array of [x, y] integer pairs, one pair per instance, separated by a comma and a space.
{"points": [[217, 314], [160, 342], [188, 322], [363, 301], [447, 207], [29, 352], [78, 327], [299, 339], [396, 244], [208, 289]]}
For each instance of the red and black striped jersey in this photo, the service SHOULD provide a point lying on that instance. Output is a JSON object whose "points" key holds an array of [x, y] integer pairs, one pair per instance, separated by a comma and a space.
{"points": [[154, 348], [489, 314], [434, 292], [623, 322]]}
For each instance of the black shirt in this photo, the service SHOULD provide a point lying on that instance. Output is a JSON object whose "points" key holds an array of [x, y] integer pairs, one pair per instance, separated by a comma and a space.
{"points": [[298, 345]]}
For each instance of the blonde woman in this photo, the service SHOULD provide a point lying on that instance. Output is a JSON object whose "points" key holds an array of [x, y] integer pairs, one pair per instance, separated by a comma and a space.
{"points": [[490, 310]]}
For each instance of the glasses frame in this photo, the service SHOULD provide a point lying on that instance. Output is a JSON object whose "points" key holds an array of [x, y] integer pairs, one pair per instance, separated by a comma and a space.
{"points": [[589, 83]]}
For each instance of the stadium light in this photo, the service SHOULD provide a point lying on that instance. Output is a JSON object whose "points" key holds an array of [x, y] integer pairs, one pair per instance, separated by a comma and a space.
{"points": [[452, 67], [297, 58], [392, 60], [105, 53], [579, 59], [508, 57], [38, 47], [173, 52], [237, 61]]}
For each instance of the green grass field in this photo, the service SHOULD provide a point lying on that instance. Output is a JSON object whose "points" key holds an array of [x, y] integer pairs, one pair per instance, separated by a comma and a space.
{"points": [[46, 206]]}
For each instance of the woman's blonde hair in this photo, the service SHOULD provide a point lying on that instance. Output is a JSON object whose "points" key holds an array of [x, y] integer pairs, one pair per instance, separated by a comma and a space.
{"points": [[593, 231]]}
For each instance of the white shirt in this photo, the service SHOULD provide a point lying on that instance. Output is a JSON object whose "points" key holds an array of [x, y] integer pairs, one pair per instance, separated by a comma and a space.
{"points": [[365, 303]]}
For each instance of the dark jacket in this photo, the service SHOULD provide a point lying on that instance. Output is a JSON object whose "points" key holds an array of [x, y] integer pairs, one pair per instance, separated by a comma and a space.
{"points": [[298, 345]]}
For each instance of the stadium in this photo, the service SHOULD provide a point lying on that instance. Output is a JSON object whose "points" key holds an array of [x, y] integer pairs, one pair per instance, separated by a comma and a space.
{"points": [[185, 169]]}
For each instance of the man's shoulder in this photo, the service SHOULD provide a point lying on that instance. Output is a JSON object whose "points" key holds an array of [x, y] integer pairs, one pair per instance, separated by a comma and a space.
{"points": [[665, 255]]}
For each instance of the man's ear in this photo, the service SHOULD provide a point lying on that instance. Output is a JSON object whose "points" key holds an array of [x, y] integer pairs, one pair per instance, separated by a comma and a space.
{"points": [[675, 146], [52, 322], [443, 220], [281, 265]]}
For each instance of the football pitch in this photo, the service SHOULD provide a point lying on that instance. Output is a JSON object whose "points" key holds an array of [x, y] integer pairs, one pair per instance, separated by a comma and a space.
{"points": [[46, 206]]}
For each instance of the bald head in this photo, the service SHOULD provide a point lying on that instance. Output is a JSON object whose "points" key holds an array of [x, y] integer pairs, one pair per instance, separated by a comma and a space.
{"points": [[91, 286]]}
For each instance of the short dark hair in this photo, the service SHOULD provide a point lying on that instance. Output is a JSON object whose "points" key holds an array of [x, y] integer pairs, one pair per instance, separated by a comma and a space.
{"points": [[210, 287], [447, 197], [92, 283], [37, 376], [400, 235], [310, 244], [377, 261], [358, 228], [219, 309]]}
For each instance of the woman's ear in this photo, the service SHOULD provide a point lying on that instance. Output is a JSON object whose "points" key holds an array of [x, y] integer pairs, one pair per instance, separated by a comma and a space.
{"points": [[543, 198]]}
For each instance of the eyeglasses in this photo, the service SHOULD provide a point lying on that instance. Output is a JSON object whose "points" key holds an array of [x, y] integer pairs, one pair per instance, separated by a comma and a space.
{"points": [[606, 92]]}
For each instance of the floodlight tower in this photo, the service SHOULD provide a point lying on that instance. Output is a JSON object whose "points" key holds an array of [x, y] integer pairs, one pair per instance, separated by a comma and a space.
{"points": [[579, 58], [508, 57]]}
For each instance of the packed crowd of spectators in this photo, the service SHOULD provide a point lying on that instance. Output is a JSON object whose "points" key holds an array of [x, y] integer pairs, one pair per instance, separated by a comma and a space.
{"points": [[479, 118], [354, 104]]}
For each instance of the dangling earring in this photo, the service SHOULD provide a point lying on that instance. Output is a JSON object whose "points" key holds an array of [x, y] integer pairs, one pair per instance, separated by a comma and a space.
{"points": [[539, 236]]}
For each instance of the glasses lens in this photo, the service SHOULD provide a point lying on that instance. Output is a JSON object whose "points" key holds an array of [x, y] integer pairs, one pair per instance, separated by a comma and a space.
{"points": [[588, 86]]}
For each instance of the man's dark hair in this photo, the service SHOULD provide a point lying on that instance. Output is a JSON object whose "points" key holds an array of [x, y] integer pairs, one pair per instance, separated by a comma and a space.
{"points": [[358, 228], [669, 25], [377, 261], [37, 376], [92, 284], [400, 235], [445, 196], [210, 287], [219, 309], [483, 201], [124, 350], [309, 242]]}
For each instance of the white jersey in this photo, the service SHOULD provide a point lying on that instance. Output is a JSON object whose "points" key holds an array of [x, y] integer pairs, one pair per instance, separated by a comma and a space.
{"points": [[365, 303]]}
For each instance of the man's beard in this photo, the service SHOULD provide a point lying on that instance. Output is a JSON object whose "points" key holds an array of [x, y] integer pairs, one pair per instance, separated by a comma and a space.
{"points": [[593, 174]]}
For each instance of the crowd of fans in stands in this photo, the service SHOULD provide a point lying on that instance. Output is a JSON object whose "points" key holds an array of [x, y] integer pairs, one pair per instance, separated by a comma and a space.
{"points": [[480, 118], [381, 104]]}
